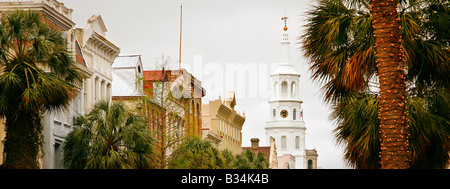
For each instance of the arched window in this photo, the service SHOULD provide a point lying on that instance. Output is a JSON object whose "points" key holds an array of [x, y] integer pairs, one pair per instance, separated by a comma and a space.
{"points": [[283, 142], [293, 89], [198, 110], [294, 114], [284, 89], [276, 90], [297, 142], [197, 113], [274, 113], [192, 107]]}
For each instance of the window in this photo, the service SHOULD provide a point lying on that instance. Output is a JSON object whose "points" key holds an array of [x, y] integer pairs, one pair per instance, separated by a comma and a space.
{"points": [[198, 110], [294, 114], [102, 90], [274, 113], [58, 164], [284, 89], [96, 88], [297, 142], [293, 89], [310, 164], [108, 91], [283, 142], [276, 90]]}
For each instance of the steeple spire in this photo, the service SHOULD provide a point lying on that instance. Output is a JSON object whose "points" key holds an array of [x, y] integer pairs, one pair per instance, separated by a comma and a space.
{"points": [[285, 65], [285, 20], [285, 45]]}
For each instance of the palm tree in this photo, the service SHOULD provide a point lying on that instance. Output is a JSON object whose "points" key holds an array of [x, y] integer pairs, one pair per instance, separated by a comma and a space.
{"points": [[391, 74], [358, 128], [37, 74], [351, 42], [196, 153], [251, 160], [109, 137]]}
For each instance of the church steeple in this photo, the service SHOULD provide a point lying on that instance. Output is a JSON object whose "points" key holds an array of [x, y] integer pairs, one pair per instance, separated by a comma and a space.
{"points": [[285, 65], [285, 45], [285, 124]]}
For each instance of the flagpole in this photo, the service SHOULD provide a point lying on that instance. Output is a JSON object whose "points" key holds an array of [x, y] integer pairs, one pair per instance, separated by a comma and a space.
{"points": [[181, 30]]}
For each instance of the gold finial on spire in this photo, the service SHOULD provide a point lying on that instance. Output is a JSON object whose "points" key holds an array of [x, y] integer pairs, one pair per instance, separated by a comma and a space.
{"points": [[285, 20]]}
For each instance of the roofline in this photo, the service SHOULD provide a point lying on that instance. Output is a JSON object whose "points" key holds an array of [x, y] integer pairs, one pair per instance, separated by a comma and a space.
{"points": [[128, 55]]}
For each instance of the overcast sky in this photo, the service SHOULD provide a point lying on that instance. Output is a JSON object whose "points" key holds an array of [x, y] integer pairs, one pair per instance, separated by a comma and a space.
{"points": [[221, 38]]}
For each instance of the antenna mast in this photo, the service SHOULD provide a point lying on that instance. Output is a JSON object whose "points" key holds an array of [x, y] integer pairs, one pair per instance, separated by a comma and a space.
{"points": [[181, 30]]}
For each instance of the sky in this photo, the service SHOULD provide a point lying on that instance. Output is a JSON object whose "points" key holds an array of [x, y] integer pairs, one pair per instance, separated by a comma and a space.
{"points": [[228, 45]]}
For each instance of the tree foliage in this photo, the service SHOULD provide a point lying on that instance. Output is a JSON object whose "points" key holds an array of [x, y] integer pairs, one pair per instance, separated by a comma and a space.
{"points": [[358, 128], [196, 153], [167, 116], [340, 44], [37, 74], [109, 137]]}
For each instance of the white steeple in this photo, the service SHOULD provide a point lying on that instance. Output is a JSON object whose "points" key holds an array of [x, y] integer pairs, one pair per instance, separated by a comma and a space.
{"points": [[285, 65], [285, 124]]}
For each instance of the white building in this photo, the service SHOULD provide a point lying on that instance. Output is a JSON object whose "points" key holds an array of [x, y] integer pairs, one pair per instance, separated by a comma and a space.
{"points": [[95, 55], [286, 123], [127, 77], [99, 54]]}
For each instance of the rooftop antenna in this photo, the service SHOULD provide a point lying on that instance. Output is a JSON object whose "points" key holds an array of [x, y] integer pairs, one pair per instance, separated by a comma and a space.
{"points": [[181, 30]]}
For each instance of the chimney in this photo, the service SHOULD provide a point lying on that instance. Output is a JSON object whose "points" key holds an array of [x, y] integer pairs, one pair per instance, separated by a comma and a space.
{"points": [[255, 143]]}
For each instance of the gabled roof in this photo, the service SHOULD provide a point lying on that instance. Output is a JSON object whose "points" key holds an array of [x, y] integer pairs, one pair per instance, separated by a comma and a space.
{"points": [[98, 18], [79, 55], [127, 61]]}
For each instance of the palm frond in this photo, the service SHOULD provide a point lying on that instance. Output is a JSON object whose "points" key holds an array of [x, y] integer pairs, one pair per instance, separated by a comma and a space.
{"points": [[357, 129], [114, 138]]}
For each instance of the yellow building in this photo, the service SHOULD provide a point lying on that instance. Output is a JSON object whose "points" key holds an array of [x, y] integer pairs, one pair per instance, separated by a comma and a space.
{"points": [[222, 124]]}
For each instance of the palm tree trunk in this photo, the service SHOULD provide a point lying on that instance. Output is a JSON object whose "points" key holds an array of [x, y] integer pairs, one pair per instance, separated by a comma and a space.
{"points": [[23, 140], [390, 62]]}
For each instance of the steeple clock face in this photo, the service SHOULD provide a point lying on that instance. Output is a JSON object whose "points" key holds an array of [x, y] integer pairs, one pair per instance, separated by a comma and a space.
{"points": [[284, 113]]}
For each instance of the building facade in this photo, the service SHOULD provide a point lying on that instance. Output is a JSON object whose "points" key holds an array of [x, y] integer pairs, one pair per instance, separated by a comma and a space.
{"points": [[99, 54], [127, 77], [181, 96], [223, 124], [93, 54], [286, 123]]}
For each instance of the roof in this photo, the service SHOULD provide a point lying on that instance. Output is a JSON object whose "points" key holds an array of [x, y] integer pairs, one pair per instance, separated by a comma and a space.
{"points": [[285, 69], [127, 61], [79, 54], [122, 88], [100, 21]]}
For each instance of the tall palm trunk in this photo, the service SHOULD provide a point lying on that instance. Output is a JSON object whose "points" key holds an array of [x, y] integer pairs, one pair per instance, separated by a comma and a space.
{"points": [[23, 140], [390, 62]]}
